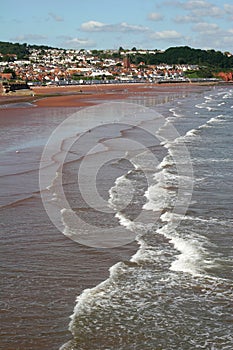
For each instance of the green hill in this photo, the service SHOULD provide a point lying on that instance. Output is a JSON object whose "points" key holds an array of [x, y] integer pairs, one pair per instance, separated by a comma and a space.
{"points": [[21, 50], [187, 55]]}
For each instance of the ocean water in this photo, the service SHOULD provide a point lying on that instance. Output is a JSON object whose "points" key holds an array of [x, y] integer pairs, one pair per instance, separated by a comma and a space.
{"points": [[176, 291], [163, 189]]}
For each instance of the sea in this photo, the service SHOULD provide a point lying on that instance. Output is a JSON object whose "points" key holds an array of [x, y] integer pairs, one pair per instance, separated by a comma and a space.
{"points": [[117, 224]]}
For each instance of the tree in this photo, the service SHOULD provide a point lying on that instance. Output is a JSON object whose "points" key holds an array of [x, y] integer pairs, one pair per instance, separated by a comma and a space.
{"points": [[9, 70]]}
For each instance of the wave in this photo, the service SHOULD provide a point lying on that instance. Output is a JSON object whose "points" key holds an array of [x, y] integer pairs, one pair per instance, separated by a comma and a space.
{"points": [[17, 202], [201, 105], [17, 105], [166, 162], [194, 257], [217, 119], [209, 98], [121, 193], [161, 195], [157, 198], [192, 132], [27, 172], [212, 160], [204, 106], [228, 95], [183, 252], [175, 113], [210, 109]]}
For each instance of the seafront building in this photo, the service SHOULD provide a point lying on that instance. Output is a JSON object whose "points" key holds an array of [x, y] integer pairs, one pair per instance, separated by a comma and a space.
{"points": [[63, 67]]}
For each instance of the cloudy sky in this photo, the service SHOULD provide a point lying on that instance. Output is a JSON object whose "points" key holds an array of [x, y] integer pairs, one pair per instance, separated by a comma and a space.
{"points": [[101, 24]]}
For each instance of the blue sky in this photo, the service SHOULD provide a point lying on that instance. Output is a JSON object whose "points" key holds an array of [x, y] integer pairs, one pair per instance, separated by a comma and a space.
{"points": [[102, 24]]}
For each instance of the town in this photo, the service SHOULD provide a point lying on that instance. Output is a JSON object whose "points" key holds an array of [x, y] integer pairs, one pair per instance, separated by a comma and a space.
{"points": [[71, 67]]}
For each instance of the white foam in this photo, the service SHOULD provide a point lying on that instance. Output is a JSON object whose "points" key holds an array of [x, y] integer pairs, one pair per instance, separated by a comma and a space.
{"points": [[228, 95], [204, 105], [121, 193], [174, 217], [167, 179], [174, 112], [192, 132], [194, 257], [157, 198], [145, 254], [167, 144], [191, 258], [217, 119], [166, 162], [213, 160], [201, 105], [210, 109], [170, 217], [130, 225]]}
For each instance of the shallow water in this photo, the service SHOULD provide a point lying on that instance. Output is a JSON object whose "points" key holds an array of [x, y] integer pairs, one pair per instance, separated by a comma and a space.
{"points": [[175, 292]]}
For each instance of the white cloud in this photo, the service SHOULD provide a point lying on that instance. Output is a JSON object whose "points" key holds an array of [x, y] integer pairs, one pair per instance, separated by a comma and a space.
{"points": [[94, 26], [155, 16], [196, 9], [228, 8], [55, 17], [211, 11], [206, 28], [223, 41], [166, 35], [125, 27], [186, 19], [169, 3], [29, 37], [195, 4], [229, 11], [201, 8], [78, 42]]}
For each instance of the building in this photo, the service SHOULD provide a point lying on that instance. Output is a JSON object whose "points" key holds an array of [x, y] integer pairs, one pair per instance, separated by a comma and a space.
{"points": [[126, 62]]}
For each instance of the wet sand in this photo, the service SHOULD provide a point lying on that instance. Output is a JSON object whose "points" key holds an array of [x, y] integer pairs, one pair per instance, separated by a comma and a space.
{"points": [[88, 95]]}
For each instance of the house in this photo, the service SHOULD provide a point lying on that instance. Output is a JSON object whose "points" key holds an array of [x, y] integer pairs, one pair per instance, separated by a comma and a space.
{"points": [[5, 76]]}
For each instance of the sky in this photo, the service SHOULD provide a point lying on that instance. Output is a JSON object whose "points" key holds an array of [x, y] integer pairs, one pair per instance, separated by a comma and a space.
{"points": [[109, 24]]}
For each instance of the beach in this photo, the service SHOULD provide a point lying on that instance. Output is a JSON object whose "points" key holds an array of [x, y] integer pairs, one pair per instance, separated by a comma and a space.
{"points": [[43, 271], [87, 95]]}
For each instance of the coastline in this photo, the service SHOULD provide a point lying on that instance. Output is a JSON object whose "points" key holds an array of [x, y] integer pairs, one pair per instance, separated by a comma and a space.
{"points": [[53, 262], [88, 95]]}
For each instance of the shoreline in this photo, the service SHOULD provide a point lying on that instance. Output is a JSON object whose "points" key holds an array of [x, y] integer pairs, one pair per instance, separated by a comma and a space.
{"points": [[89, 95], [53, 262]]}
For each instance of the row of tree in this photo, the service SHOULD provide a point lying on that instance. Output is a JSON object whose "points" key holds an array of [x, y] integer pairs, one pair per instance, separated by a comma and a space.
{"points": [[186, 55], [22, 51]]}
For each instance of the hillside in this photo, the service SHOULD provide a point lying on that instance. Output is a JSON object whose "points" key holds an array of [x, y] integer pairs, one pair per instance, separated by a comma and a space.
{"points": [[20, 50], [187, 55], [173, 55]]}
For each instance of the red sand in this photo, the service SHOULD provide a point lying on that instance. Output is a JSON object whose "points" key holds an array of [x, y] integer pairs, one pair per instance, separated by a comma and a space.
{"points": [[78, 96], [87, 95]]}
